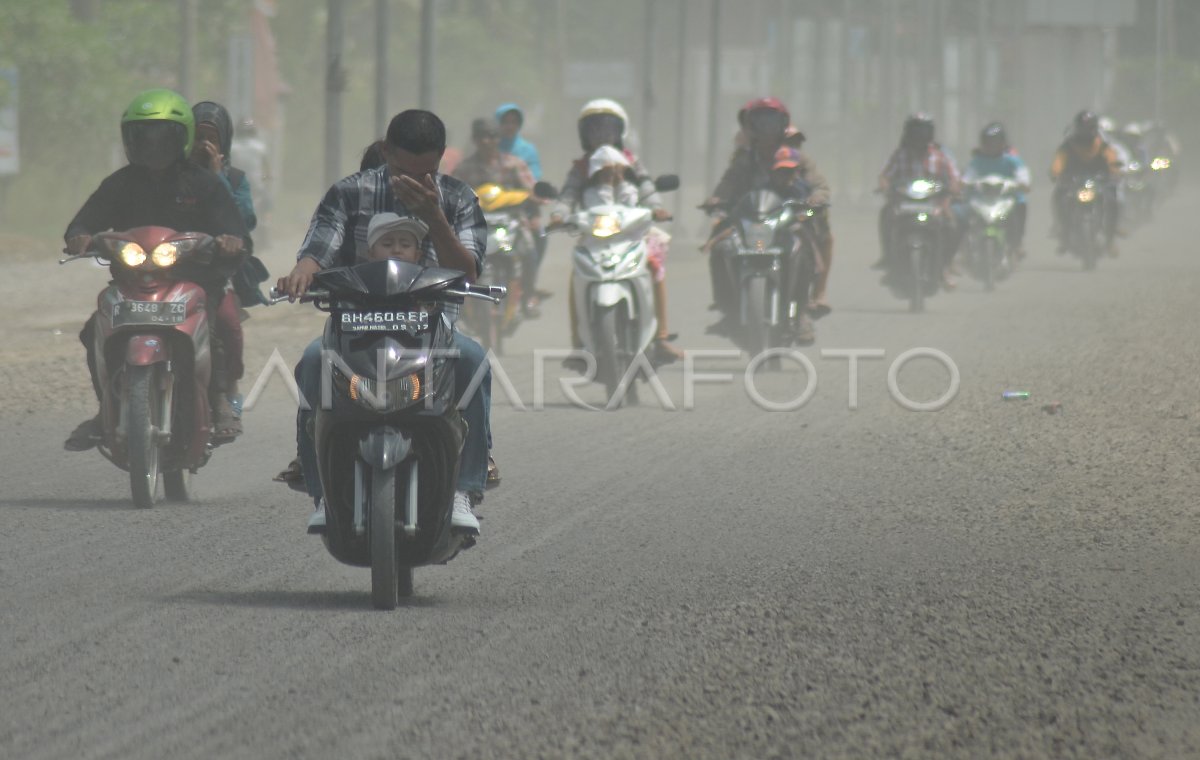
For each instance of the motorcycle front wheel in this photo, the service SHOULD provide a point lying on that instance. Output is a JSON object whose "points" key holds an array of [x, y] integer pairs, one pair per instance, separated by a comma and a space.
{"points": [[916, 268], [608, 349], [384, 568], [141, 437], [757, 329]]}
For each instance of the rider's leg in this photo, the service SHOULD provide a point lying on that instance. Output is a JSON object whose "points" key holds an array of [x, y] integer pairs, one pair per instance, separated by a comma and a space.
{"points": [[824, 238], [89, 432], [308, 381], [476, 409]]}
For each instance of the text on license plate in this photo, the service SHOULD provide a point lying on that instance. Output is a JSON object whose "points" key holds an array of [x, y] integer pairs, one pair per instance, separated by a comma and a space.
{"points": [[149, 313], [411, 322]]}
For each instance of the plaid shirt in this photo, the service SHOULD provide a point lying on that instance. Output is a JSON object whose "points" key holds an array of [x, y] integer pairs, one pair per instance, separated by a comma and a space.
{"points": [[337, 234]]}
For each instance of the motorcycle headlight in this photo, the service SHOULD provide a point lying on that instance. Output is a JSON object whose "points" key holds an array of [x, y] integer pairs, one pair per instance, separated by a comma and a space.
{"points": [[1160, 163], [921, 189], [132, 255], [395, 394], [1086, 195], [605, 226], [164, 254]]}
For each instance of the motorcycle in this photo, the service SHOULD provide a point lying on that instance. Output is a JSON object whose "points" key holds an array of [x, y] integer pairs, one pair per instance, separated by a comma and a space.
{"points": [[988, 255], [388, 432], [1083, 223], [613, 291], [153, 359], [917, 224], [774, 265], [509, 246], [1139, 193]]}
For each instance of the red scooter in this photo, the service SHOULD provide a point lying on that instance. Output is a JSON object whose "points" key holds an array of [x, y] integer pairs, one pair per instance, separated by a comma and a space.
{"points": [[153, 358]]}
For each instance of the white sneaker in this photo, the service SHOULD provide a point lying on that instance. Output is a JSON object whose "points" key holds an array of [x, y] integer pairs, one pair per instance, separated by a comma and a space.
{"points": [[462, 518], [316, 522]]}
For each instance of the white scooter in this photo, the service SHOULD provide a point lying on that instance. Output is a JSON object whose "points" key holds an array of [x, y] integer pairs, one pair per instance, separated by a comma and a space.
{"points": [[612, 287]]}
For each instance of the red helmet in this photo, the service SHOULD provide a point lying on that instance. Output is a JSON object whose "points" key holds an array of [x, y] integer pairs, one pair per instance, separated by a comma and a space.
{"points": [[771, 104]]}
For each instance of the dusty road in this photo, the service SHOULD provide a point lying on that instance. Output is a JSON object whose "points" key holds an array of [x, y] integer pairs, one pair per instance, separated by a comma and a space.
{"points": [[984, 581]]}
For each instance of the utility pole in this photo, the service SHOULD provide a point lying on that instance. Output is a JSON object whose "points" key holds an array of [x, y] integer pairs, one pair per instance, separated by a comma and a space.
{"points": [[381, 67], [1160, 42], [647, 130], [335, 83], [714, 95], [428, 17], [982, 43], [187, 49], [680, 99]]}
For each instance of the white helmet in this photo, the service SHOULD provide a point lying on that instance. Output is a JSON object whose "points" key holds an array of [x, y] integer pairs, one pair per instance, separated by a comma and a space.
{"points": [[606, 106]]}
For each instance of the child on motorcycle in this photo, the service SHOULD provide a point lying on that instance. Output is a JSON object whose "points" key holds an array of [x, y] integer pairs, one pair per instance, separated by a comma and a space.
{"points": [[391, 236]]}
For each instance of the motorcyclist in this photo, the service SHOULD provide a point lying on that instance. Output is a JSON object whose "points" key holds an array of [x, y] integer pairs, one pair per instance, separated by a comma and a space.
{"points": [[995, 156], [408, 184], [211, 150], [160, 187], [1086, 154], [511, 119], [604, 122], [765, 128], [489, 165], [919, 156]]}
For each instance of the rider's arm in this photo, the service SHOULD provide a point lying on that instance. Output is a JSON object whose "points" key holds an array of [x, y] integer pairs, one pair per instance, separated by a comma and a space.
{"points": [[242, 198], [820, 192], [1116, 164], [568, 196], [225, 221], [735, 182], [97, 211], [326, 234], [459, 231], [1059, 163], [1021, 173]]}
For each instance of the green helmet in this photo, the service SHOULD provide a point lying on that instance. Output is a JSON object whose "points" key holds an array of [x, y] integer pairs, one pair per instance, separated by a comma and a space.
{"points": [[157, 129]]}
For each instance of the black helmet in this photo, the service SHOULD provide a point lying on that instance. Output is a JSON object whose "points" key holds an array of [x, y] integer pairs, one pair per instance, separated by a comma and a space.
{"points": [[1086, 125], [918, 131], [993, 134]]}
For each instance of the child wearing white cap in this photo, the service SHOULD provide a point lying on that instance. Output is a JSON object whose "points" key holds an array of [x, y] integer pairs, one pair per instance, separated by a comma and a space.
{"points": [[391, 236]]}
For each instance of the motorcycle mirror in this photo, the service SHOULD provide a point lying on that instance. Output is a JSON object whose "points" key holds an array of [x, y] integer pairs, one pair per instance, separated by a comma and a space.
{"points": [[666, 183], [545, 191]]}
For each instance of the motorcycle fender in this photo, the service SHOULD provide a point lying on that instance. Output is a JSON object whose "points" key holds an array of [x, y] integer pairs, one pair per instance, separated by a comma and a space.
{"points": [[144, 350], [384, 448], [609, 293]]}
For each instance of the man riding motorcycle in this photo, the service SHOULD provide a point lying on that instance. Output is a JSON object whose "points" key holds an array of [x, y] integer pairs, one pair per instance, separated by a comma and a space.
{"points": [[1086, 153], [765, 128], [160, 187], [918, 156], [408, 184], [489, 165], [994, 156], [604, 122]]}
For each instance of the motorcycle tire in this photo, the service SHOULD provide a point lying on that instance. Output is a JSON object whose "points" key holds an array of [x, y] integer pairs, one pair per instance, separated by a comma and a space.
{"points": [[141, 443], [916, 268], [177, 486], [993, 251], [757, 330], [607, 341], [385, 570]]}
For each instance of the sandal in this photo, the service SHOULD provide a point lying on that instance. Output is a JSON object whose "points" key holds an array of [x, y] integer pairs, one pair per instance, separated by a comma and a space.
{"points": [[293, 476], [227, 423], [87, 435], [818, 309]]}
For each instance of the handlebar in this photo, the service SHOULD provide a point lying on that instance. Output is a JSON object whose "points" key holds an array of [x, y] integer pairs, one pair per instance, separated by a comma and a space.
{"points": [[493, 293]]}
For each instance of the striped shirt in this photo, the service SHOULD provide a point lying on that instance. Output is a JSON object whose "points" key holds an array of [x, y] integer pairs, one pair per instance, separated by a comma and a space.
{"points": [[337, 234], [904, 167]]}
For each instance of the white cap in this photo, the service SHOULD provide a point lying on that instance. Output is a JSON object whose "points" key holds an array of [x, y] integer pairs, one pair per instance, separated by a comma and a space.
{"points": [[605, 155], [381, 224]]}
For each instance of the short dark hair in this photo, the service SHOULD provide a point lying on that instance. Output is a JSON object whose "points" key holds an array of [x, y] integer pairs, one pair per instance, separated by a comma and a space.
{"points": [[417, 131]]}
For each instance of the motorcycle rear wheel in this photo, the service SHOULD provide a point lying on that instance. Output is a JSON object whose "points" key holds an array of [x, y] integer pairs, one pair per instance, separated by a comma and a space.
{"points": [[141, 433], [385, 572]]}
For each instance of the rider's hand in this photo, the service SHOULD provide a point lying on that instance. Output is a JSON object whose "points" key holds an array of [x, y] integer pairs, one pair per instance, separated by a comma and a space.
{"points": [[78, 244], [229, 245], [210, 156], [661, 215], [421, 198], [298, 281], [556, 220]]}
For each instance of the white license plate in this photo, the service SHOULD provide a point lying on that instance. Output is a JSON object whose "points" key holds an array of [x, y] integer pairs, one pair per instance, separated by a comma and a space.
{"points": [[411, 322], [127, 313]]}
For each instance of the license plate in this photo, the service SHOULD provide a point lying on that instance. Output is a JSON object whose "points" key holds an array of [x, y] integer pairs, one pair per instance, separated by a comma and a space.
{"points": [[148, 313], [410, 322]]}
